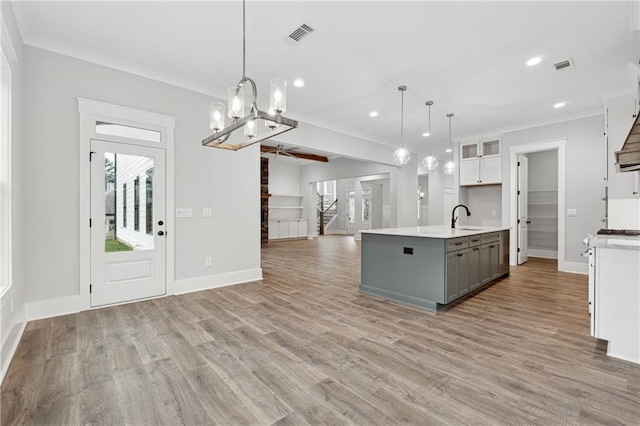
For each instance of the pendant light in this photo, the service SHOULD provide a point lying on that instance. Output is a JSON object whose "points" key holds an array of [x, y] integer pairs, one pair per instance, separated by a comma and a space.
{"points": [[449, 167], [429, 162], [274, 122], [401, 155]]}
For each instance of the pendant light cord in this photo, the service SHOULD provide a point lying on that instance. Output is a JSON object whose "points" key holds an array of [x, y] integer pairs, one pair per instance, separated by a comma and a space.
{"points": [[401, 118], [429, 105], [244, 43]]}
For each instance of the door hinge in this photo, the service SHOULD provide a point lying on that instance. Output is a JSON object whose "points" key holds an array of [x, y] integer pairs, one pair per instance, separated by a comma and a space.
{"points": [[518, 220], [518, 164], [90, 289], [91, 155], [518, 249], [518, 192], [90, 222]]}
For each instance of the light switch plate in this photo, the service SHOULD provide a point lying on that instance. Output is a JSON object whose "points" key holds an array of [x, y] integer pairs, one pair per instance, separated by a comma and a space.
{"points": [[184, 213], [572, 212], [207, 212]]}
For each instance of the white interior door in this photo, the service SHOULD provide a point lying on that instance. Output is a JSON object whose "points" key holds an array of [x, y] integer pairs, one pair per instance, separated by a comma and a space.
{"points": [[523, 215], [351, 210], [127, 222]]}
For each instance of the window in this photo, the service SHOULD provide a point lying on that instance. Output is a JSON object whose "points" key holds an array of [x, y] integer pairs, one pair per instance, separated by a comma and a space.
{"points": [[5, 175], [124, 205], [149, 202], [136, 204], [127, 131]]}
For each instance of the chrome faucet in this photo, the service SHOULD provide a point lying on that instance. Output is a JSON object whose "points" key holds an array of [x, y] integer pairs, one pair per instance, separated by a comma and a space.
{"points": [[453, 212]]}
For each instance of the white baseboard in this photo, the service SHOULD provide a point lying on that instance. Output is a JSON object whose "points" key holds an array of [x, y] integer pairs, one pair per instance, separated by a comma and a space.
{"points": [[10, 344], [214, 281], [335, 232], [545, 254], [54, 307], [576, 268]]}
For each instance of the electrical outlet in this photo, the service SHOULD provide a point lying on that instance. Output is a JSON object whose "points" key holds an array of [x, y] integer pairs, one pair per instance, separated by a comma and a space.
{"points": [[208, 261], [207, 212], [572, 212]]}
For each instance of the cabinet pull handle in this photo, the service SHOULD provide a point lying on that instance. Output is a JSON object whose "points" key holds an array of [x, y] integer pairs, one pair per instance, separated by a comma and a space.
{"points": [[458, 244], [474, 241], [475, 249], [492, 246], [459, 254]]}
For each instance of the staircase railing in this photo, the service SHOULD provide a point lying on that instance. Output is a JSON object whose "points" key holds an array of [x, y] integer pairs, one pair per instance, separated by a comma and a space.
{"points": [[322, 211]]}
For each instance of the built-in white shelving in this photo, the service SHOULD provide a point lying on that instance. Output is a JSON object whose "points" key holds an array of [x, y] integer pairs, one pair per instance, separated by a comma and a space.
{"points": [[543, 226], [285, 217]]}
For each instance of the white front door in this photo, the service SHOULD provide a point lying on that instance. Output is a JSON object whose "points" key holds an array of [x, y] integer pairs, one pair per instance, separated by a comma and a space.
{"points": [[523, 213], [127, 222]]}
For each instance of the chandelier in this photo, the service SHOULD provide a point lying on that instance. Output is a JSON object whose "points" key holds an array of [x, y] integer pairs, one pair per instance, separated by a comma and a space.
{"points": [[273, 121]]}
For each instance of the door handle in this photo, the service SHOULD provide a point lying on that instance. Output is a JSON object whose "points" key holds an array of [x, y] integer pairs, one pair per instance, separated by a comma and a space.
{"points": [[160, 223], [161, 233]]}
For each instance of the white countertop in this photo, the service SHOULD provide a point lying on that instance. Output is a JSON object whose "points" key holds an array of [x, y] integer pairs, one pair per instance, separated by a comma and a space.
{"points": [[615, 241], [436, 231]]}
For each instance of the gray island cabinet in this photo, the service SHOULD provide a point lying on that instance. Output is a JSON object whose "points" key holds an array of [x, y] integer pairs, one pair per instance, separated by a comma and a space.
{"points": [[432, 266]]}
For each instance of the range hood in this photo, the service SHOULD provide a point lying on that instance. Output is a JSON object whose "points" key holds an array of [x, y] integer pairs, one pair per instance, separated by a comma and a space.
{"points": [[628, 158]]}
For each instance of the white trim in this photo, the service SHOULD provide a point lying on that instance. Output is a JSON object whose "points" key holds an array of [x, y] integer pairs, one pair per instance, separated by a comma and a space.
{"points": [[544, 254], [53, 307], [514, 150], [9, 346], [90, 111], [6, 224], [10, 46], [576, 268], [215, 281]]}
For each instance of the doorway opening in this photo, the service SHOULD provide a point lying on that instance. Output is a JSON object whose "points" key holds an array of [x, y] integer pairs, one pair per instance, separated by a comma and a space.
{"points": [[536, 193]]}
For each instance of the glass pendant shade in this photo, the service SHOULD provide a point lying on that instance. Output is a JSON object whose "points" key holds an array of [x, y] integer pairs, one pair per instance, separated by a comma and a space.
{"points": [[251, 129], [278, 95], [216, 117], [270, 124], [449, 168], [401, 156], [236, 102], [430, 162]]}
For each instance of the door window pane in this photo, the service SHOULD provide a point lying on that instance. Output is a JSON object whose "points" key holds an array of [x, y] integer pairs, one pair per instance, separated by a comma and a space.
{"points": [[136, 204], [127, 131], [123, 172], [149, 202]]}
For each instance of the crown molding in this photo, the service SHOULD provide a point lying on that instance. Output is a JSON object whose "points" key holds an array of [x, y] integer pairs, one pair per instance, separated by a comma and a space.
{"points": [[76, 52], [498, 132]]}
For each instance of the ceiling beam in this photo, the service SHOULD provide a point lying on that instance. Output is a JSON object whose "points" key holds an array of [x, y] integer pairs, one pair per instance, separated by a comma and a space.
{"points": [[300, 155]]}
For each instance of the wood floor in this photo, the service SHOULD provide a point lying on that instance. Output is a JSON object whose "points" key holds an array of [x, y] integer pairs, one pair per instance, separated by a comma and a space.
{"points": [[304, 347]]}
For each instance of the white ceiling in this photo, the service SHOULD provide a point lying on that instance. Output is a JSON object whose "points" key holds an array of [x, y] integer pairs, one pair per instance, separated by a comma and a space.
{"points": [[469, 58]]}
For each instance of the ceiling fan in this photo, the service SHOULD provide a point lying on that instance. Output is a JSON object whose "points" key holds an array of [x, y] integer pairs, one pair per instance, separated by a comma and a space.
{"points": [[290, 152]]}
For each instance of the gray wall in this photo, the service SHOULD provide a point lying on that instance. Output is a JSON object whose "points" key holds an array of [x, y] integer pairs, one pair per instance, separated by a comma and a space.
{"points": [[543, 170], [229, 182], [482, 201], [584, 170]]}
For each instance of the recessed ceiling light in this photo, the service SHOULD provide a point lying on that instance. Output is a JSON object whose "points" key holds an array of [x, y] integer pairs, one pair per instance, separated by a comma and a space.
{"points": [[448, 150], [534, 61], [426, 134], [373, 114], [299, 82], [559, 105]]}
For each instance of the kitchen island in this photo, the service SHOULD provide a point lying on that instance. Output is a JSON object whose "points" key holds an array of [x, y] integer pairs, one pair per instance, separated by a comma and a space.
{"points": [[432, 266]]}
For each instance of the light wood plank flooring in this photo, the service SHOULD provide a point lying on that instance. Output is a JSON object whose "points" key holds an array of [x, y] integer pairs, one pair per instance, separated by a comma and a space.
{"points": [[304, 347]]}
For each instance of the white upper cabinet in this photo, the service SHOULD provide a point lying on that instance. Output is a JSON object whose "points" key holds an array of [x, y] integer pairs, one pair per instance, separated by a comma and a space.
{"points": [[480, 163]]}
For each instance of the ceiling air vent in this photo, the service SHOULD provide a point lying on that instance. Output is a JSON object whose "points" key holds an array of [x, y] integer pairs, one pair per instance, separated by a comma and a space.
{"points": [[564, 64], [301, 32]]}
